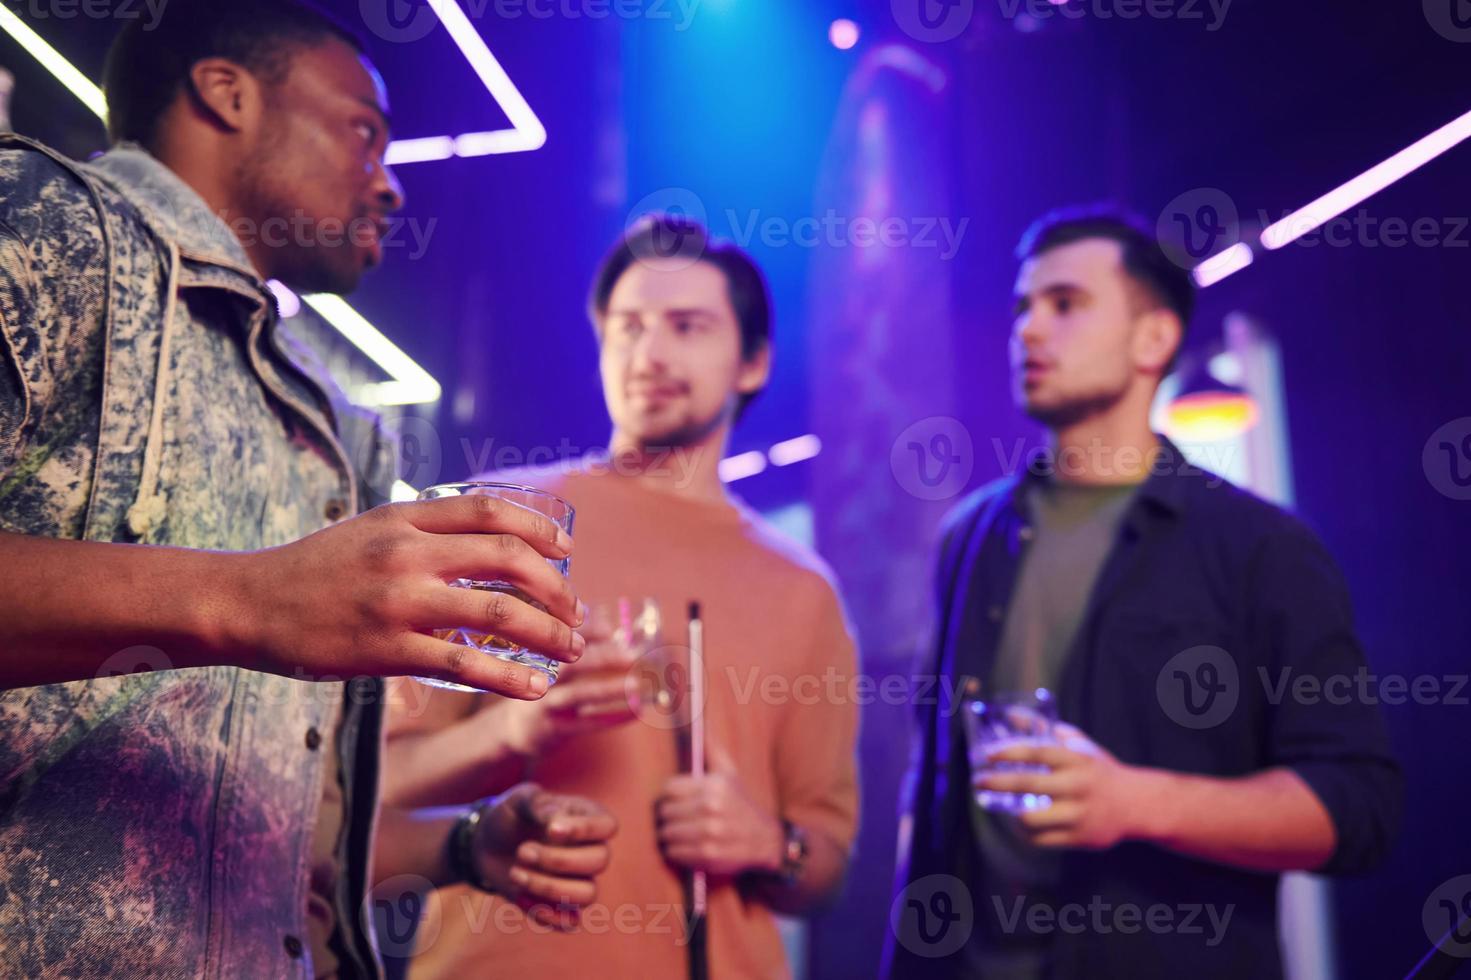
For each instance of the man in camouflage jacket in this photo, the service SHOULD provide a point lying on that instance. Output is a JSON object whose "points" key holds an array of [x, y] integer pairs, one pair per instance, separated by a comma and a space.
{"points": [[193, 621]]}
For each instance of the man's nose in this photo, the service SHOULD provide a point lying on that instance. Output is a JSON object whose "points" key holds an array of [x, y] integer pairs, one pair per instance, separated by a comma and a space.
{"points": [[388, 193], [1024, 330], [652, 349]]}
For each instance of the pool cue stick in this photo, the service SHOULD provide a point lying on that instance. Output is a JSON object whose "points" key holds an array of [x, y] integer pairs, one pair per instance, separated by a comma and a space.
{"points": [[698, 885]]}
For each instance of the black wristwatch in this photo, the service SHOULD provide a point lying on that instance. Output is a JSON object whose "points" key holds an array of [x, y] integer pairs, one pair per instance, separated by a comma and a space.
{"points": [[462, 846], [794, 853]]}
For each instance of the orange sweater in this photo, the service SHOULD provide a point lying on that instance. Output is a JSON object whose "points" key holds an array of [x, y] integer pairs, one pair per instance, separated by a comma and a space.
{"points": [[780, 665]]}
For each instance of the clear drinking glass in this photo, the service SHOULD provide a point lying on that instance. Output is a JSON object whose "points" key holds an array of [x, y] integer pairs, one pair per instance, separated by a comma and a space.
{"points": [[631, 624], [543, 503], [657, 685], [1002, 721], [632, 627]]}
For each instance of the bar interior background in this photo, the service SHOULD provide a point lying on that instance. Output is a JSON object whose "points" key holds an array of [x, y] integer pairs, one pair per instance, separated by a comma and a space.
{"points": [[758, 114]]}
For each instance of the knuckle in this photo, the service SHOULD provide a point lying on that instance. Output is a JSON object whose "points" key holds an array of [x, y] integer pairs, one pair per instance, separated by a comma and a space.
{"points": [[507, 676], [386, 550], [454, 660], [486, 510], [372, 600], [498, 608]]}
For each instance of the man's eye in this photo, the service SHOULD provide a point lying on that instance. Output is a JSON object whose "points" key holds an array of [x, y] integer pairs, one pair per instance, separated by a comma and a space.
{"points": [[368, 132], [1064, 304]]}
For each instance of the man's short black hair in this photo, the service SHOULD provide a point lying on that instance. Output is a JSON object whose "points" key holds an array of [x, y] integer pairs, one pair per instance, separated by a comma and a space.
{"points": [[148, 66], [1164, 281], [668, 236]]}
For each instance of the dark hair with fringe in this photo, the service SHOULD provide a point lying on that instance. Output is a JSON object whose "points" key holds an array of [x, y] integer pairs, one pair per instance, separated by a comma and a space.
{"points": [[668, 236], [1165, 282]]}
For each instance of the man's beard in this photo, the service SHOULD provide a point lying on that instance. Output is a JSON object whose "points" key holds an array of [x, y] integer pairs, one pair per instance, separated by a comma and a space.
{"points": [[1073, 411], [306, 266], [686, 433]]}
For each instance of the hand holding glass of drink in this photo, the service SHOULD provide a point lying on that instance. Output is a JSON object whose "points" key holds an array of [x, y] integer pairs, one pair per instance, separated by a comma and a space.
{"points": [[1001, 722], [602, 691], [485, 641]]}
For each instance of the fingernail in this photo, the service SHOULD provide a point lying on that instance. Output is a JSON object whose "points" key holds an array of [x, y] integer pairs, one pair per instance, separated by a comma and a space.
{"points": [[564, 540], [559, 828], [538, 684], [579, 643], [521, 876], [530, 853]]}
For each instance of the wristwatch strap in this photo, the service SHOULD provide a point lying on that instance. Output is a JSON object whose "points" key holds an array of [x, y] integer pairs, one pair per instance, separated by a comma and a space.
{"points": [[462, 846], [794, 853]]}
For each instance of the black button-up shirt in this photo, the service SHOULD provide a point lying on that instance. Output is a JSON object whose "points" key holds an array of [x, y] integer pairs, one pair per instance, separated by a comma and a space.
{"points": [[1210, 610]]}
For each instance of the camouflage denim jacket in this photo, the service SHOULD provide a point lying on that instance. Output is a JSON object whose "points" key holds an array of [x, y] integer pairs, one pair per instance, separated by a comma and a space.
{"points": [[159, 824]]}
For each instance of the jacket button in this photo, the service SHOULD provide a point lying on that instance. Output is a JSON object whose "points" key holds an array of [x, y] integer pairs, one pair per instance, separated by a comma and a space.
{"points": [[336, 509], [293, 947], [313, 739]]}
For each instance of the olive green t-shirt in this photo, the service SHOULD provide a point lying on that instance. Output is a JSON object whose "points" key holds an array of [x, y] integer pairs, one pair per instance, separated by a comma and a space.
{"points": [[1073, 528]]}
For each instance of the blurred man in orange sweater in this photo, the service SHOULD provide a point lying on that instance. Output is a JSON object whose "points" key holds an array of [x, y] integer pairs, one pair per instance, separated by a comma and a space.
{"points": [[683, 326]]}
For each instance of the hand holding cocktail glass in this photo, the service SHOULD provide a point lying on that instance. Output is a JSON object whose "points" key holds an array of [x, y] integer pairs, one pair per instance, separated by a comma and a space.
{"points": [[1001, 722], [502, 601], [1060, 787], [601, 691], [367, 595]]}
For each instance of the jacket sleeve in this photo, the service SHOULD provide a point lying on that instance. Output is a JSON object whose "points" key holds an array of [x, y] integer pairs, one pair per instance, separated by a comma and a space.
{"points": [[1325, 721], [52, 275], [18, 349]]}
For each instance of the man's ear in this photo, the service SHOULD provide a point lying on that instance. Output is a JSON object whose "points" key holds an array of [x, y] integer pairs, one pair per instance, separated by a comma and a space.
{"points": [[228, 93], [755, 371], [1157, 336]]}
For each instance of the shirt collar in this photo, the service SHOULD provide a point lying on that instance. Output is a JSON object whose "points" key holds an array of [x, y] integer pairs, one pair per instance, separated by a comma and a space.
{"points": [[1164, 488], [176, 209]]}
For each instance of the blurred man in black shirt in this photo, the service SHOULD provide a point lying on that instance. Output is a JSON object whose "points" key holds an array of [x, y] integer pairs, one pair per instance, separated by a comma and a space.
{"points": [[1172, 613]]}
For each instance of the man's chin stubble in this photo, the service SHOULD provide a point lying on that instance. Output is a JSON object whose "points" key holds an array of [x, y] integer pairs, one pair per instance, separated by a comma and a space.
{"points": [[688, 433], [1071, 413]]}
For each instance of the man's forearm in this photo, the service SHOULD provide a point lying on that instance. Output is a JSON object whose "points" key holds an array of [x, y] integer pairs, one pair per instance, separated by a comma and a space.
{"points": [[1268, 821], [414, 842], [68, 608], [457, 764]]}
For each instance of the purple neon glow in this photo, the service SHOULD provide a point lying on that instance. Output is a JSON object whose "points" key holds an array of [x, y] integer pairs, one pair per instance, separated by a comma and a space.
{"points": [[423, 150], [1366, 184], [526, 132], [287, 302], [734, 468], [1222, 264], [795, 450]]}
